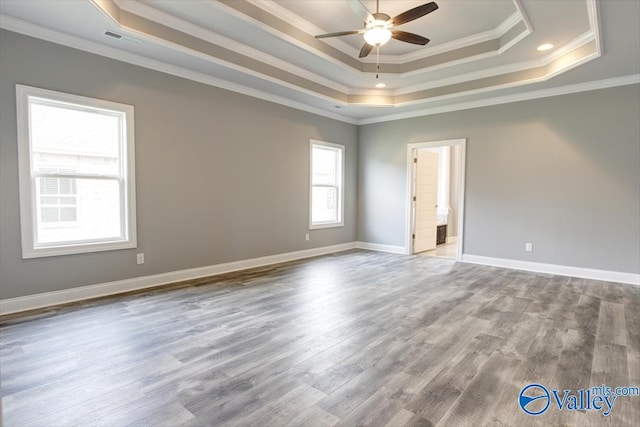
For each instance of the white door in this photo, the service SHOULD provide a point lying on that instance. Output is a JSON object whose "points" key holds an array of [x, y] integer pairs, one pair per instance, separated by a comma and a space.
{"points": [[426, 200]]}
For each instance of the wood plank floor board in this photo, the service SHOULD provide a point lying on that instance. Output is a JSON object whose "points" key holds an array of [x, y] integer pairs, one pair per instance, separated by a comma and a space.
{"points": [[435, 398], [355, 338], [633, 369], [573, 370], [313, 417], [382, 406], [226, 409], [401, 418], [540, 358], [610, 367], [361, 387], [281, 410], [611, 324], [478, 400], [632, 321]]}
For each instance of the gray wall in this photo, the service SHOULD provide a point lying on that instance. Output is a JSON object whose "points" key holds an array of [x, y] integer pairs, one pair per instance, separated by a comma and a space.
{"points": [[223, 177], [219, 176], [561, 172]]}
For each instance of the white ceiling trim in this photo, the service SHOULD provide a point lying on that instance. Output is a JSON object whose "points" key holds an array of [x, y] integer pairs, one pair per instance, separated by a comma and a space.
{"points": [[523, 15], [475, 75], [311, 29], [28, 29], [294, 41], [486, 89], [458, 79], [525, 96], [574, 44], [210, 37], [564, 64], [513, 20], [275, 9], [505, 69], [593, 11], [222, 62]]}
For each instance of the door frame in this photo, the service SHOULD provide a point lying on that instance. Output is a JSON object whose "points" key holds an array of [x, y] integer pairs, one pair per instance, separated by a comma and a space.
{"points": [[462, 143]]}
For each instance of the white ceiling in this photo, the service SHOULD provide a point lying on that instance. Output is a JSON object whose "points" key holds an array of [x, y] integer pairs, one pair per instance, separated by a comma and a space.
{"points": [[482, 52]]}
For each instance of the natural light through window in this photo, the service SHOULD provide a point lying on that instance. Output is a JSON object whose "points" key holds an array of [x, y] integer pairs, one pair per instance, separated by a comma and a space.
{"points": [[76, 173], [327, 166]]}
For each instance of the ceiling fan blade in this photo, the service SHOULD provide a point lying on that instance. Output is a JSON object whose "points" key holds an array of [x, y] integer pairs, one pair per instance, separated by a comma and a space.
{"points": [[340, 33], [360, 10], [366, 50], [414, 13], [403, 36]]}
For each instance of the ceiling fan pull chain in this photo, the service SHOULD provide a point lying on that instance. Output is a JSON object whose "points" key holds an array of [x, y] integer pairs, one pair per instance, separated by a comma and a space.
{"points": [[377, 61]]}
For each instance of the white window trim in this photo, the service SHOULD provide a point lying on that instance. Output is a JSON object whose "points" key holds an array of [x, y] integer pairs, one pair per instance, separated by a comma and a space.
{"points": [[27, 178], [340, 222]]}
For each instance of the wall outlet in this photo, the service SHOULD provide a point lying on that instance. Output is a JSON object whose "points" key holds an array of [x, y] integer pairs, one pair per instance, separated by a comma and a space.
{"points": [[140, 258], [528, 247], [306, 237]]}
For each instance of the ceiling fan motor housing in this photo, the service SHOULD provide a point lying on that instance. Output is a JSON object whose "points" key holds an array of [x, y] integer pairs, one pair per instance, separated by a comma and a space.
{"points": [[378, 32]]}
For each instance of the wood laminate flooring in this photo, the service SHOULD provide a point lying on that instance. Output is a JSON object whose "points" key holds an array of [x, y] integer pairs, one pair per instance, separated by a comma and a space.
{"points": [[448, 250], [355, 338]]}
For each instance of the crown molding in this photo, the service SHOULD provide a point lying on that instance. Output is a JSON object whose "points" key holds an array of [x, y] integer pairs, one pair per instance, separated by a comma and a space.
{"points": [[28, 29], [498, 100], [275, 9], [181, 25], [561, 60], [284, 36], [511, 21], [49, 35], [503, 69]]}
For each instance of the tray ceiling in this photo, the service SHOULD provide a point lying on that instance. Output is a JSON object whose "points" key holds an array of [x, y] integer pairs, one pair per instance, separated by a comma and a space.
{"points": [[480, 52]]}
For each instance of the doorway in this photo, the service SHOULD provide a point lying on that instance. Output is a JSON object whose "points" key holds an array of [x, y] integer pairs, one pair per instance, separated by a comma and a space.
{"points": [[435, 198]]}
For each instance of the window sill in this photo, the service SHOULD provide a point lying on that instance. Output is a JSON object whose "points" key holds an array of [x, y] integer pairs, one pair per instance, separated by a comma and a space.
{"points": [[328, 225], [49, 251]]}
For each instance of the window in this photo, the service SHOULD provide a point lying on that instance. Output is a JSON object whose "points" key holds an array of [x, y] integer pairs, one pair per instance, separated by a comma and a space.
{"points": [[76, 158], [327, 170]]}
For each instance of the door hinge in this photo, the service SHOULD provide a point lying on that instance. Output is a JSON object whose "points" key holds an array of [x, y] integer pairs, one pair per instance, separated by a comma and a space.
{"points": [[414, 198], [413, 236], [415, 160]]}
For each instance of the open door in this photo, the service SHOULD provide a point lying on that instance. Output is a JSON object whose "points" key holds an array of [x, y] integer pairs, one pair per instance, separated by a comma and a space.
{"points": [[425, 200]]}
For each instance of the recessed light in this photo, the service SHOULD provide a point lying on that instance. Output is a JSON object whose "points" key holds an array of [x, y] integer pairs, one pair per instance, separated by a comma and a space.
{"points": [[545, 46], [380, 85]]}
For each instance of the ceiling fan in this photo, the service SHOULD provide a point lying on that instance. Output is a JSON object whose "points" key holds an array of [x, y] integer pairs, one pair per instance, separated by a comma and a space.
{"points": [[380, 27]]}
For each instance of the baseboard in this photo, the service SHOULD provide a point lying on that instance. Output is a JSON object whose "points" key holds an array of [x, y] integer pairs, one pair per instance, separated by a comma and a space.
{"points": [[560, 270], [32, 302], [452, 239], [380, 248]]}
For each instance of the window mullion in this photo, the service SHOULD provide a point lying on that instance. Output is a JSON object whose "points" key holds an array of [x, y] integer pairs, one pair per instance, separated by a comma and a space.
{"points": [[75, 175]]}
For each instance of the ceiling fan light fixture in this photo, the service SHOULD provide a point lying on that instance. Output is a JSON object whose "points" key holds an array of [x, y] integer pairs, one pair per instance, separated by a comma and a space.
{"points": [[378, 34]]}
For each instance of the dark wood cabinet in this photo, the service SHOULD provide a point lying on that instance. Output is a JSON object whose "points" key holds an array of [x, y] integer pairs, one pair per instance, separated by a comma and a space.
{"points": [[441, 234]]}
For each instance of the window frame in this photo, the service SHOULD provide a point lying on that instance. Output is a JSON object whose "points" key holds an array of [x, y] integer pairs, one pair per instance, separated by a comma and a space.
{"points": [[340, 187], [27, 177]]}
